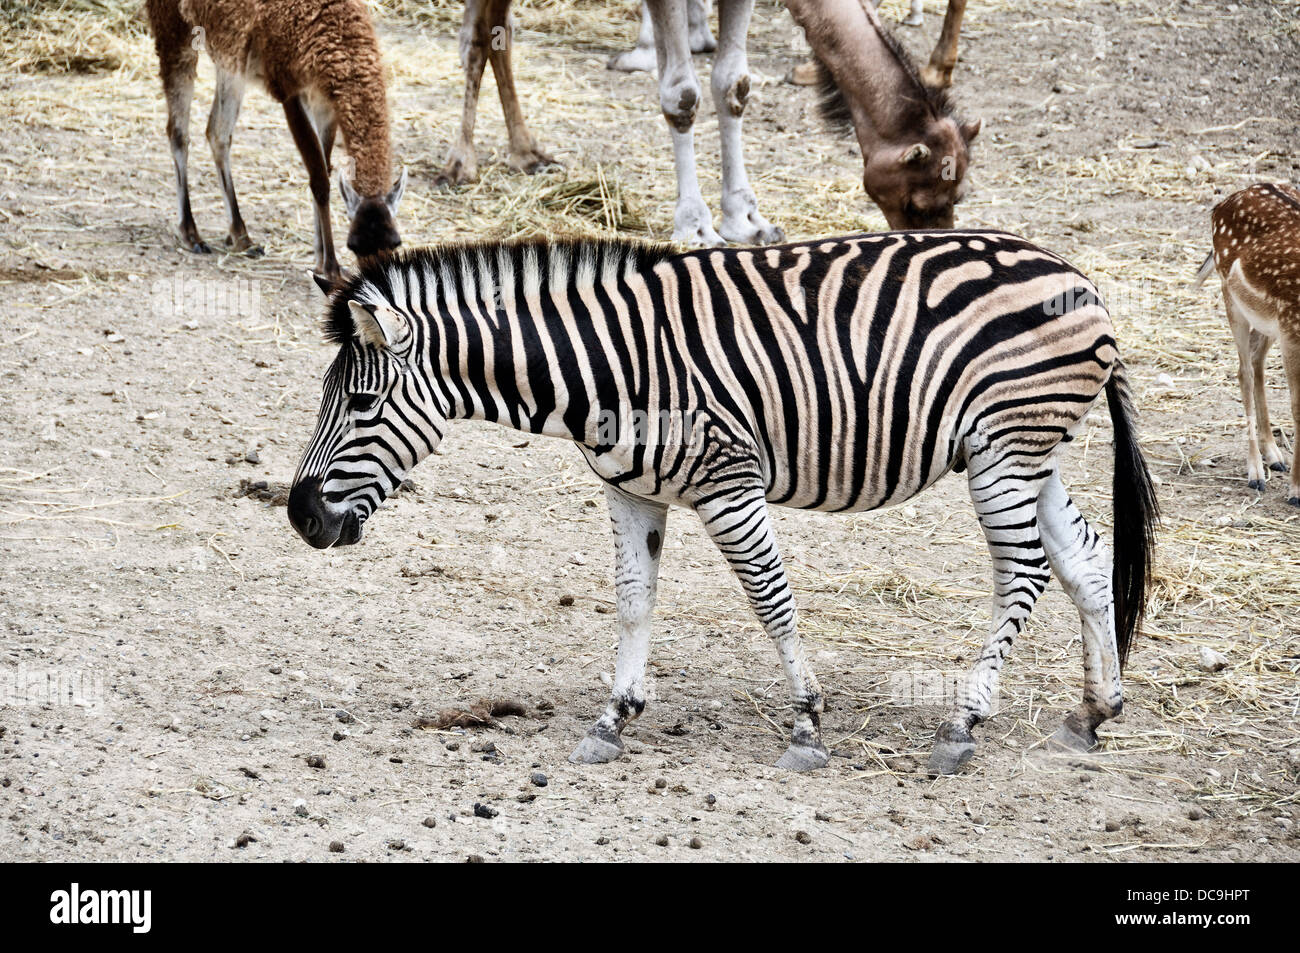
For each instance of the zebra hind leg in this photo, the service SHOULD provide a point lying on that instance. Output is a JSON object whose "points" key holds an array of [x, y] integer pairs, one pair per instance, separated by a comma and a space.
{"points": [[638, 537], [1006, 500], [1082, 562], [740, 527]]}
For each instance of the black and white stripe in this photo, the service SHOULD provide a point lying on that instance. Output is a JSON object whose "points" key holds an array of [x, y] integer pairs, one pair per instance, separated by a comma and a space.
{"points": [[845, 374]]}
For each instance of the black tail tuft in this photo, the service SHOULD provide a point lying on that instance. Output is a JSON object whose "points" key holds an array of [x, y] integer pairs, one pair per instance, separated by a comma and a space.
{"points": [[1206, 269], [832, 105], [1136, 512]]}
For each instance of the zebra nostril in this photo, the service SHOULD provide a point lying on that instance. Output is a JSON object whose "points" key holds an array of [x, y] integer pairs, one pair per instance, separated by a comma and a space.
{"points": [[311, 525]]}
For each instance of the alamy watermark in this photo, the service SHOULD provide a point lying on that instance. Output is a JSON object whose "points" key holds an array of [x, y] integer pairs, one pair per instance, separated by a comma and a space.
{"points": [[194, 297], [933, 688], [24, 687]]}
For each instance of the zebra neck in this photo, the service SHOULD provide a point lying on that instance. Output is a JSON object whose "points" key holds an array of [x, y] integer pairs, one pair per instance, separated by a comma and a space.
{"points": [[541, 338]]}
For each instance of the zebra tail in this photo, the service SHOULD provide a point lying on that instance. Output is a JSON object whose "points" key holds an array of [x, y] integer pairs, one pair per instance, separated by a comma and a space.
{"points": [[1136, 514], [1206, 269]]}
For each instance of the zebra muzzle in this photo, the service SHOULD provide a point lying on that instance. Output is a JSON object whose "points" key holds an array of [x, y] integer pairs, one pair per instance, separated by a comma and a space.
{"points": [[317, 523]]}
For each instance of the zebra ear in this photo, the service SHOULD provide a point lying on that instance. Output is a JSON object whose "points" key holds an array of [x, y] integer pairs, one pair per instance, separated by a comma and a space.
{"points": [[379, 326]]}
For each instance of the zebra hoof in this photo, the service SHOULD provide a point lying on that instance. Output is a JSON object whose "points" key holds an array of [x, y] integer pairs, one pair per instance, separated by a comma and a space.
{"points": [[804, 758], [593, 750], [1256, 485], [1072, 738], [947, 757]]}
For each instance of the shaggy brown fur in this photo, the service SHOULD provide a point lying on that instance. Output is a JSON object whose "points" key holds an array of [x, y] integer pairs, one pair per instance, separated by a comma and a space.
{"points": [[319, 59]]}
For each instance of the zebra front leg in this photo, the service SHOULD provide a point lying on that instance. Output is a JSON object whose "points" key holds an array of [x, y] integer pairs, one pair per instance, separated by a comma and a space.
{"points": [[1082, 563], [741, 221], [638, 538], [741, 529], [679, 97], [1006, 502]]}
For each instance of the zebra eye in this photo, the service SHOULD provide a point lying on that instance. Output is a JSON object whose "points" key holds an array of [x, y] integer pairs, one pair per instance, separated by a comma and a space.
{"points": [[360, 403]]}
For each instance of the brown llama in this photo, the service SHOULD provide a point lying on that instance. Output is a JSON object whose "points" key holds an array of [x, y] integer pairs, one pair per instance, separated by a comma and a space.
{"points": [[320, 60], [1257, 255]]}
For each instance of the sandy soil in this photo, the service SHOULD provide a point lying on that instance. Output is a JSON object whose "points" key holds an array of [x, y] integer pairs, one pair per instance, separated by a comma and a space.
{"points": [[242, 684]]}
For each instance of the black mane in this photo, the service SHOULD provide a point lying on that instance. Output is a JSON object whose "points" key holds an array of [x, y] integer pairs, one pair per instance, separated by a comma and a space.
{"points": [[338, 326]]}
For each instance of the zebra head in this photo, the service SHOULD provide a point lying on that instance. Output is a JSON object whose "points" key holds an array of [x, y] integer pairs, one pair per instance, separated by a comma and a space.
{"points": [[378, 419]]}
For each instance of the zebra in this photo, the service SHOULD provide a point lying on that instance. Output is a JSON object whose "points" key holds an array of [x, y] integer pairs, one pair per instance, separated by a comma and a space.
{"points": [[843, 374]]}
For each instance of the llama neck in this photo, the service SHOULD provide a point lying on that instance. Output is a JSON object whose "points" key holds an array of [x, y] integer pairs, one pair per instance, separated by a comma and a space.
{"points": [[881, 92], [361, 110]]}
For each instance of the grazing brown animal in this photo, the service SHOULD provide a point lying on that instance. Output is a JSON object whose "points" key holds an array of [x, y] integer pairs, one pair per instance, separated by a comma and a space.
{"points": [[914, 152], [320, 60], [1257, 255]]}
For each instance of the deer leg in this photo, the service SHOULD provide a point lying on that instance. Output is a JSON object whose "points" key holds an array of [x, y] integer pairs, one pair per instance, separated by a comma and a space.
{"points": [[1291, 360], [638, 537], [1241, 333], [525, 155], [461, 167], [679, 97], [309, 147], [221, 128], [741, 529], [741, 221], [937, 74], [1259, 345]]}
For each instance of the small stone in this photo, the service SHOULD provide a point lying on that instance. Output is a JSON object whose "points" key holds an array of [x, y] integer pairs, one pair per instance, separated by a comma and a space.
{"points": [[100, 454], [300, 807], [1195, 814], [696, 843], [803, 837], [485, 811], [244, 839], [253, 457], [340, 735], [538, 779], [250, 773], [336, 847], [602, 841], [661, 783], [397, 845], [1164, 380], [821, 816], [430, 822], [474, 859], [1112, 826], [1209, 660], [566, 600], [315, 761], [662, 840], [395, 760], [343, 716], [276, 670]]}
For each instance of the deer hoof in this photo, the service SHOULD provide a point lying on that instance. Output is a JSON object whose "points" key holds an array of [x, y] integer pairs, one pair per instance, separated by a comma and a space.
{"points": [[1294, 500], [1277, 466], [1256, 485]]}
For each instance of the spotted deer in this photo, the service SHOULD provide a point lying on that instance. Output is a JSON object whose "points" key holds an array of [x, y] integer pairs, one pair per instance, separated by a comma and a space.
{"points": [[1257, 255]]}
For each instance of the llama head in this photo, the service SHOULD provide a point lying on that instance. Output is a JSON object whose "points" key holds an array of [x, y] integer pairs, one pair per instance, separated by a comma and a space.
{"points": [[373, 217], [917, 183]]}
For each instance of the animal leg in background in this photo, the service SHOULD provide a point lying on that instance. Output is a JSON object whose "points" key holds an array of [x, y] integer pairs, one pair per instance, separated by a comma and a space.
{"points": [[525, 155], [741, 221], [309, 147], [641, 58], [178, 60], [679, 97], [221, 128], [937, 74]]}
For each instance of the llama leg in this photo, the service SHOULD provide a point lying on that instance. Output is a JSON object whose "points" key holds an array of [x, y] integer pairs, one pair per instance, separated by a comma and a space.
{"points": [[1006, 499], [1291, 360], [461, 167], [326, 127], [178, 61], [915, 14], [525, 155], [697, 23], [221, 127], [641, 58], [1259, 345], [679, 97], [638, 538], [741, 221], [1083, 564], [740, 527], [304, 137], [1246, 378], [937, 74]]}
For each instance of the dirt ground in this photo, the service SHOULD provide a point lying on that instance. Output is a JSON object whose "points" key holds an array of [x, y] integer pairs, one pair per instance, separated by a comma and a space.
{"points": [[248, 698]]}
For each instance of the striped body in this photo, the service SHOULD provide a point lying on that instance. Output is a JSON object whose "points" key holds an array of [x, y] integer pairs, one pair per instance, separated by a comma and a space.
{"points": [[843, 374]]}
